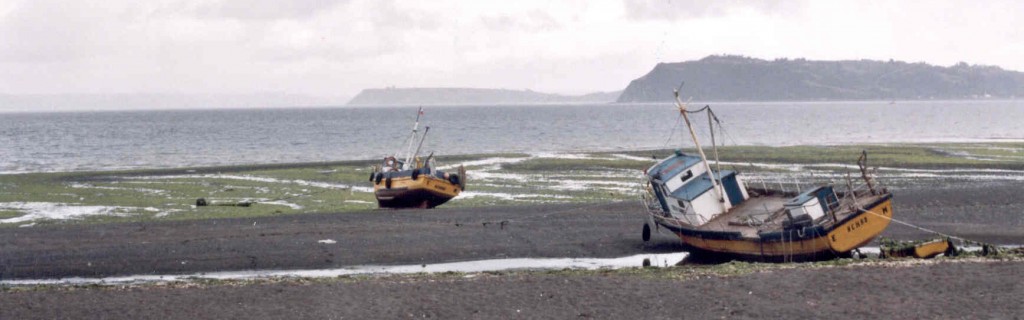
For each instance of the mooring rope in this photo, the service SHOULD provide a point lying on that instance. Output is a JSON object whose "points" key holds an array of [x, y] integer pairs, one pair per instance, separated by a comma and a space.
{"points": [[920, 228]]}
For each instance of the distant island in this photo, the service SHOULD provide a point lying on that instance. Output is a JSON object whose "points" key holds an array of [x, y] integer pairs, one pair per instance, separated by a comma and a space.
{"points": [[736, 78], [470, 96]]}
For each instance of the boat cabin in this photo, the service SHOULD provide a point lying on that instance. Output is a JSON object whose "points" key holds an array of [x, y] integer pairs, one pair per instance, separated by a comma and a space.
{"points": [[811, 205], [685, 190]]}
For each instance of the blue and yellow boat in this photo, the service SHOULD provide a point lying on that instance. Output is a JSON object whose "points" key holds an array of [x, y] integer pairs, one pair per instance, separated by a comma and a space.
{"points": [[714, 212], [415, 182]]}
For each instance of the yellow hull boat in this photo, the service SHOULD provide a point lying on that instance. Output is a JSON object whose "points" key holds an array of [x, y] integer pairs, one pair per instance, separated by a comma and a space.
{"points": [[413, 182], [417, 188], [714, 211]]}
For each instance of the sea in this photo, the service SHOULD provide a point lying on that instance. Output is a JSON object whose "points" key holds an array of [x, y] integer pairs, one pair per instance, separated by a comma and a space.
{"points": [[118, 140]]}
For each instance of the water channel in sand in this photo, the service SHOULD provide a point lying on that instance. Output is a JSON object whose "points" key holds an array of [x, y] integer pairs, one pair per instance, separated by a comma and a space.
{"points": [[658, 260], [476, 266]]}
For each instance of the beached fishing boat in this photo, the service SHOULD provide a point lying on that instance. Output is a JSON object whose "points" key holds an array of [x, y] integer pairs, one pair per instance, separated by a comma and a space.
{"points": [[714, 211], [413, 182]]}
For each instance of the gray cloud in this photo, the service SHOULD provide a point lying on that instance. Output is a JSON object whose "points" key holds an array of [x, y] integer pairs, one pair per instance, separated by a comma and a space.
{"points": [[391, 16], [681, 9], [265, 9], [46, 31], [338, 47], [385, 28], [535, 20]]}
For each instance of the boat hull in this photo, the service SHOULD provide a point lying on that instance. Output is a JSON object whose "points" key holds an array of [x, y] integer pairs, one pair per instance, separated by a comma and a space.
{"points": [[811, 243], [400, 190]]}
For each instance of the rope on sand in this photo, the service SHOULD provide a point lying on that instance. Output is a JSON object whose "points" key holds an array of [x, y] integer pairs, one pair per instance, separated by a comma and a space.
{"points": [[963, 240]]}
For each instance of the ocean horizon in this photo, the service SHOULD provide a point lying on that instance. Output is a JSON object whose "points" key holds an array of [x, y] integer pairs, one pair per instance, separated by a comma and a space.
{"points": [[146, 139]]}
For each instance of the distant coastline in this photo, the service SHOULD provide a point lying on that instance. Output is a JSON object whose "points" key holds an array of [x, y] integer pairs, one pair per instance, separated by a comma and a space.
{"points": [[471, 96], [736, 78], [730, 78], [718, 78]]}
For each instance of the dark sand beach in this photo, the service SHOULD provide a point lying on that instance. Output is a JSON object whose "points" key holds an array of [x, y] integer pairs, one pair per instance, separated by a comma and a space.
{"points": [[397, 237], [948, 290], [988, 213]]}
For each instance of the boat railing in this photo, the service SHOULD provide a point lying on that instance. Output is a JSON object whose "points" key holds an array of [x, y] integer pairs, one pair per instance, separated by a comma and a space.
{"points": [[648, 199], [856, 191]]}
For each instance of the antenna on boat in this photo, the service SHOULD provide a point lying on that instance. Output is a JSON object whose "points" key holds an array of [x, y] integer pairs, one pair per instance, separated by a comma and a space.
{"points": [[412, 138], [704, 159]]}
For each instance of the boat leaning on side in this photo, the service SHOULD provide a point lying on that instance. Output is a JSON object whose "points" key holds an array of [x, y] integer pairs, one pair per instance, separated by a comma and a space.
{"points": [[761, 224], [714, 211]]}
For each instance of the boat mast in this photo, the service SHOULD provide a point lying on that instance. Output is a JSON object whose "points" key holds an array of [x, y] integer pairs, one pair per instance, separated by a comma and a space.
{"points": [[714, 146], [711, 174], [408, 150], [425, 130]]}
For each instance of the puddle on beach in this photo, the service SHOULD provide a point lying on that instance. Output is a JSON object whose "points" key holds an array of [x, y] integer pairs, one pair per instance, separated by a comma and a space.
{"points": [[32, 211], [642, 260], [656, 260]]}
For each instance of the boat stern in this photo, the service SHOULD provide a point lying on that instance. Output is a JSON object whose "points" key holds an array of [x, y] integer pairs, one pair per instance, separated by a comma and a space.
{"points": [[861, 228], [408, 190]]}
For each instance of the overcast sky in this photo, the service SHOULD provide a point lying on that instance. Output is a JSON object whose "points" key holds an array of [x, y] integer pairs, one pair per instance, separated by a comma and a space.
{"points": [[335, 48]]}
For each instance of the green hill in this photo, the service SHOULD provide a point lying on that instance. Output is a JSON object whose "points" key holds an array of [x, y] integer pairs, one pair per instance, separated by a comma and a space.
{"points": [[735, 78]]}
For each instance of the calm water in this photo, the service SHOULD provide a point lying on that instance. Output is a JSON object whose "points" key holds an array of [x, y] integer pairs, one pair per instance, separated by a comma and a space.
{"points": [[75, 141]]}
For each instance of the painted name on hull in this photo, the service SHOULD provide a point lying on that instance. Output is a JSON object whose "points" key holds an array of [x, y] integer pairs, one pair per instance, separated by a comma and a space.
{"points": [[857, 224]]}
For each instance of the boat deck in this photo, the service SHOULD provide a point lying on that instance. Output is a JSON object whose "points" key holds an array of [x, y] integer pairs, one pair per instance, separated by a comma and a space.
{"points": [[766, 213]]}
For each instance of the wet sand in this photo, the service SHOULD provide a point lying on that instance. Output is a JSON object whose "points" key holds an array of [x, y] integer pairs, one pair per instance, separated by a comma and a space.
{"points": [[399, 237], [985, 213], [939, 291], [292, 242]]}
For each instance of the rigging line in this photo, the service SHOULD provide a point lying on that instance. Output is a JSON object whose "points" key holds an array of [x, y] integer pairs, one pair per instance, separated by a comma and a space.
{"points": [[917, 227], [673, 132], [718, 122], [706, 107], [721, 128], [713, 115], [727, 135], [724, 132]]}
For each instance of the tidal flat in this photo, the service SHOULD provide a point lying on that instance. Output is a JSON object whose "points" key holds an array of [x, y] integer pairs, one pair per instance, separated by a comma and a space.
{"points": [[32, 199], [316, 216]]}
